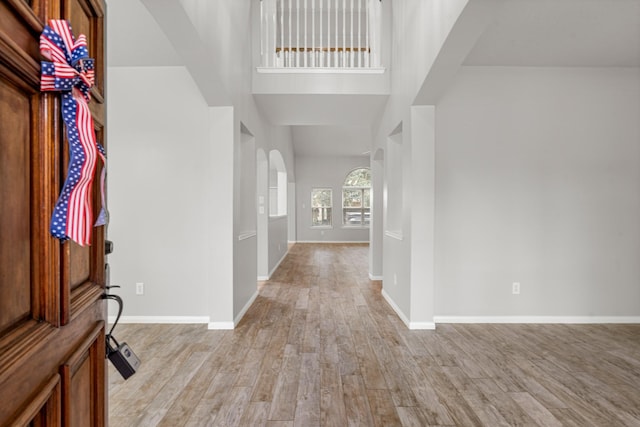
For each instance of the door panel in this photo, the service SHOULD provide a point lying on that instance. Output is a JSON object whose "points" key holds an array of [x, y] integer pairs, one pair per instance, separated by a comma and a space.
{"points": [[52, 315], [15, 227]]}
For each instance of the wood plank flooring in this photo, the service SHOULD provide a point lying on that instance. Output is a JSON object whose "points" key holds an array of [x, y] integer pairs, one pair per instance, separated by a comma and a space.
{"points": [[320, 347]]}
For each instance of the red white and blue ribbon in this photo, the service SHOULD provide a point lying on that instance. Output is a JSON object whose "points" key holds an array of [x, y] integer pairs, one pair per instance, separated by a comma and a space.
{"points": [[71, 71]]}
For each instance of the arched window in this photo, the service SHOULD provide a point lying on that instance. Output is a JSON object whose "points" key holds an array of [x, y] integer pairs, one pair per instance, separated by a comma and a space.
{"points": [[356, 198]]}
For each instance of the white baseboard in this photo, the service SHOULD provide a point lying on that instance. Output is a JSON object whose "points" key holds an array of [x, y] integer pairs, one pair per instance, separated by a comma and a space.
{"points": [[273, 270], [395, 307], [162, 319], [372, 277], [263, 278], [414, 326], [538, 319], [420, 326], [244, 309], [220, 325]]}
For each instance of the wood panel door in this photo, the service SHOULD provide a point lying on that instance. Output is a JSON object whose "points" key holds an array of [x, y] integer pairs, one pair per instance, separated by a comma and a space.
{"points": [[52, 316]]}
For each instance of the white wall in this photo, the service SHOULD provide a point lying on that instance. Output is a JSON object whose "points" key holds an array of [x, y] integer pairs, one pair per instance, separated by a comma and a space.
{"points": [[538, 182], [183, 148], [157, 183], [325, 172]]}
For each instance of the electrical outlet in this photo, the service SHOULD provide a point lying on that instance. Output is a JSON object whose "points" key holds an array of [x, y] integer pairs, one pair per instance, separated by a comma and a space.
{"points": [[139, 288], [515, 288]]}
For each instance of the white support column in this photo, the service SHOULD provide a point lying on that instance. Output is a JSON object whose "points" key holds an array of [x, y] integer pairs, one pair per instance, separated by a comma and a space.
{"points": [[422, 216]]}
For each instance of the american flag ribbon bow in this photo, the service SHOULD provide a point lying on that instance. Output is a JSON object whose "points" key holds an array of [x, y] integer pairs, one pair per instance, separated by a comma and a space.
{"points": [[71, 71]]}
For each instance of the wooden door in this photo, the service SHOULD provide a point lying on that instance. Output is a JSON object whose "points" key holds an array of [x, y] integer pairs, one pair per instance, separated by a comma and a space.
{"points": [[52, 317]]}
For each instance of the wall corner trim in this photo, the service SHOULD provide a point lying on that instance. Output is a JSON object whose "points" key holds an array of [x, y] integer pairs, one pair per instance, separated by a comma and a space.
{"points": [[245, 309], [273, 270], [220, 325], [416, 326], [395, 308]]}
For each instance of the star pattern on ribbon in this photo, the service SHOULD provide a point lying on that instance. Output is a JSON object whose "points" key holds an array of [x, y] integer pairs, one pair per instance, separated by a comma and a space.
{"points": [[71, 72]]}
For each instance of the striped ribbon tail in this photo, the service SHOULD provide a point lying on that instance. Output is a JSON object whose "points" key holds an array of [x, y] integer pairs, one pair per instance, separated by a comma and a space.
{"points": [[70, 71]]}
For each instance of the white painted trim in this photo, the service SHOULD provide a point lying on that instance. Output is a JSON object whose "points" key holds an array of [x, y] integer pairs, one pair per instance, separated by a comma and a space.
{"points": [[161, 319], [245, 308], [372, 277], [394, 234], [273, 270], [247, 235], [538, 319], [263, 278], [220, 325], [312, 70], [395, 308], [415, 326]]}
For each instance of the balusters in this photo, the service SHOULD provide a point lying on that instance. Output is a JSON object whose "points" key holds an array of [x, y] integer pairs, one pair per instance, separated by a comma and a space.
{"points": [[297, 33], [321, 46], [290, 31], [359, 33], [367, 57], [347, 38], [305, 34], [336, 56]]}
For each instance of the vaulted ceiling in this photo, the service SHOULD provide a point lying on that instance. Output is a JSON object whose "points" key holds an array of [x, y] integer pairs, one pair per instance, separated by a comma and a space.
{"points": [[539, 33]]}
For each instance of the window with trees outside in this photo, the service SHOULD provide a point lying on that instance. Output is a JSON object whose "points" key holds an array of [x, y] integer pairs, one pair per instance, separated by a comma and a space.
{"points": [[321, 207], [356, 198]]}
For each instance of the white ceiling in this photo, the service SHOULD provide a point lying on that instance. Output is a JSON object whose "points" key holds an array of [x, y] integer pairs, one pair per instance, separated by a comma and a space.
{"points": [[592, 33], [333, 140], [562, 33], [135, 39]]}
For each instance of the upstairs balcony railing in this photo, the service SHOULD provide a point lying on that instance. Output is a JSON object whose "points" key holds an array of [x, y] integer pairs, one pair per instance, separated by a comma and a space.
{"points": [[320, 34]]}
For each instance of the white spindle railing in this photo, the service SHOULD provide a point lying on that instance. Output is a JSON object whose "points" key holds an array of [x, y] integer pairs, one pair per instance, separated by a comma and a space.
{"points": [[320, 33]]}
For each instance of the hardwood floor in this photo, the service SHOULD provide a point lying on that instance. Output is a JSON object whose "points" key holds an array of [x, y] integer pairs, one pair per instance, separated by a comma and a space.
{"points": [[321, 347]]}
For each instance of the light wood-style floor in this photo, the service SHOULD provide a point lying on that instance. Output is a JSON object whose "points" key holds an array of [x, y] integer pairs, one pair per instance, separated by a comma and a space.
{"points": [[321, 347]]}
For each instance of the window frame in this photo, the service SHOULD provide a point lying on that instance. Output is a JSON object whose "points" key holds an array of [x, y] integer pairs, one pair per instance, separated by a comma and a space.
{"points": [[330, 207], [363, 209]]}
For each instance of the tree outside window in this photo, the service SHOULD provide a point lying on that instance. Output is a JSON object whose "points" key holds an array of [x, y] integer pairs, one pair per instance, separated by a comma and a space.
{"points": [[356, 198], [321, 204]]}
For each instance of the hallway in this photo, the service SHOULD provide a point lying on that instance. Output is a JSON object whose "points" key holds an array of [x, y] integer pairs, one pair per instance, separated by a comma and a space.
{"points": [[320, 346]]}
